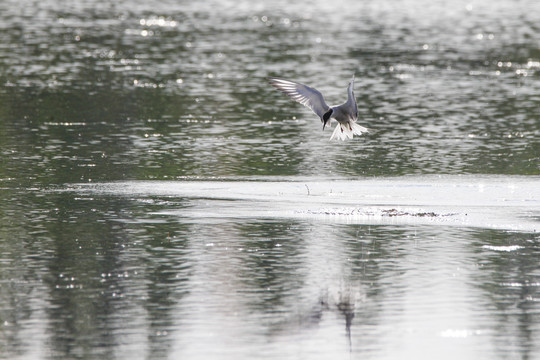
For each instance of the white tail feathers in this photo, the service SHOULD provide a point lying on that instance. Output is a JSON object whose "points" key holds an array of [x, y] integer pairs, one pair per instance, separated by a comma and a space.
{"points": [[347, 131]]}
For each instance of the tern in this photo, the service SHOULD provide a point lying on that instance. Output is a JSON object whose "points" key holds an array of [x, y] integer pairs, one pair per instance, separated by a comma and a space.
{"points": [[345, 114]]}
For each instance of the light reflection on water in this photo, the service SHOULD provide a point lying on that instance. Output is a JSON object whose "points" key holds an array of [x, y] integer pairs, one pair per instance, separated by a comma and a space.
{"points": [[114, 275], [447, 88], [97, 91]]}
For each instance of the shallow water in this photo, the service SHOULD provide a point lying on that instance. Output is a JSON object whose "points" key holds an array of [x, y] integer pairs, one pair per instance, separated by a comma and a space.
{"points": [[230, 269], [509, 203], [160, 200]]}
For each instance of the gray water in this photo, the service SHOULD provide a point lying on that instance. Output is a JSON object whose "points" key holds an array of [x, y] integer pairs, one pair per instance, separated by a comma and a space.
{"points": [[159, 200]]}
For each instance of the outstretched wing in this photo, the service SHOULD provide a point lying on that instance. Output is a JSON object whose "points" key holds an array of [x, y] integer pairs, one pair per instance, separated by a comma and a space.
{"points": [[351, 100], [303, 94]]}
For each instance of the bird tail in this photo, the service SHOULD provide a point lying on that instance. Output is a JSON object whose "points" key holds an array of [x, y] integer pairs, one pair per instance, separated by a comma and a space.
{"points": [[347, 131]]}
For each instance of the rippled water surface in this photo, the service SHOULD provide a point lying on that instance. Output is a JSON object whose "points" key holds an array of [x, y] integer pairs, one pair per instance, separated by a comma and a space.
{"points": [[160, 200]]}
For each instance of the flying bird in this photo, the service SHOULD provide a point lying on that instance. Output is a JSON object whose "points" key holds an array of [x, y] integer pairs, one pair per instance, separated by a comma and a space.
{"points": [[345, 114]]}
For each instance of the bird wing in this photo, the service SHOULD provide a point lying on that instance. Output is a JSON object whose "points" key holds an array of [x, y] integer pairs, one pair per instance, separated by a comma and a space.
{"points": [[351, 100], [303, 94]]}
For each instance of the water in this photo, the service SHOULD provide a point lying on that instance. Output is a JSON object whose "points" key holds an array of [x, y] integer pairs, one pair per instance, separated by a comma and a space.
{"points": [[160, 200]]}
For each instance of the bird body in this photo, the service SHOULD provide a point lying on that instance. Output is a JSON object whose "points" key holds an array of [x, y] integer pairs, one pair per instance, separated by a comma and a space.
{"points": [[345, 114]]}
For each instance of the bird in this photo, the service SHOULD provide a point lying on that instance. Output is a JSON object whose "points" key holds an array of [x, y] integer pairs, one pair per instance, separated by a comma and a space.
{"points": [[345, 114]]}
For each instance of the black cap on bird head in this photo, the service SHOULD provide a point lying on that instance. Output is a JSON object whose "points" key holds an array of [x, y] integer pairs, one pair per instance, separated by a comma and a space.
{"points": [[326, 117]]}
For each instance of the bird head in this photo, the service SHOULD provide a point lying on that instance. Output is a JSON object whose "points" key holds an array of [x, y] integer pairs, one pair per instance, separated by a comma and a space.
{"points": [[326, 117]]}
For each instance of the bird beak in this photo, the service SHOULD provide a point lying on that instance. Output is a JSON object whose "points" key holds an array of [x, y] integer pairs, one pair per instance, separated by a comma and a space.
{"points": [[324, 124]]}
